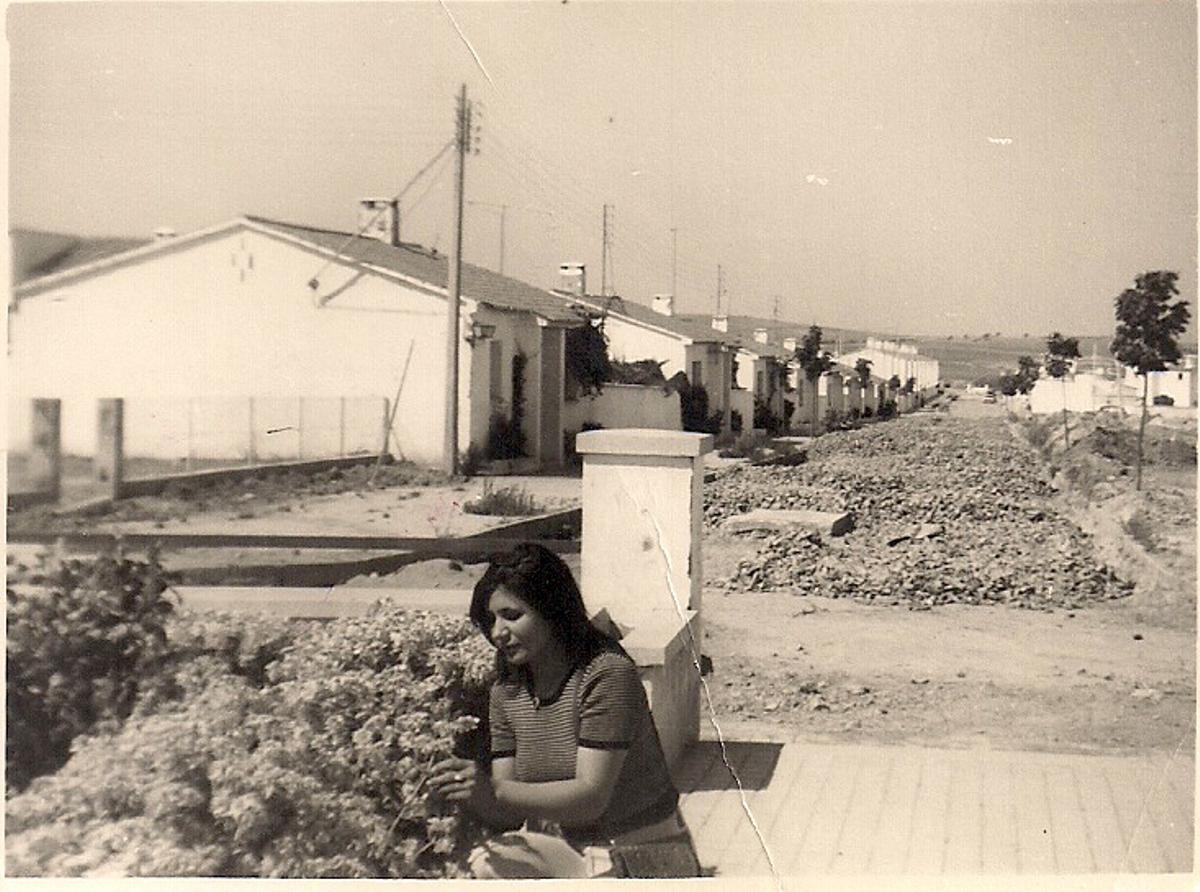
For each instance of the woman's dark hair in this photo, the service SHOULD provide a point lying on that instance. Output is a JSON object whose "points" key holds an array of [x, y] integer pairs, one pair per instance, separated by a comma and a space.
{"points": [[542, 580]]}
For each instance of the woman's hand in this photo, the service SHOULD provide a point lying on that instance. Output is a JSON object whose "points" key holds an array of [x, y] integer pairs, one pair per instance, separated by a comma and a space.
{"points": [[453, 779]]}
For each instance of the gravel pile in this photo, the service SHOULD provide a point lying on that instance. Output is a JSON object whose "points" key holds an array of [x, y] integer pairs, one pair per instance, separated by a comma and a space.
{"points": [[964, 504]]}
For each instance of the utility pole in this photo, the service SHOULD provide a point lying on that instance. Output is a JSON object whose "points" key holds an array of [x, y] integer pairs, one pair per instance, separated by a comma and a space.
{"points": [[462, 138], [673, 256], [720, 288], [605, 254], [503, 212], [775, 311]]}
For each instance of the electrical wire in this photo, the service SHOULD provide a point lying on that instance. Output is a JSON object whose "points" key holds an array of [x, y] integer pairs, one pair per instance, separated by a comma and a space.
{"points": [[315, 280]]}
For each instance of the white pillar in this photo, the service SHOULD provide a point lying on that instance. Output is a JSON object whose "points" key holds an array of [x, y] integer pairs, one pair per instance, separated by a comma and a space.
{"points": [[642, 521], [642, 527]]}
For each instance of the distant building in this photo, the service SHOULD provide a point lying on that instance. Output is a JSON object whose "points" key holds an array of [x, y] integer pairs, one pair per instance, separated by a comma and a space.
{"points": [[894, 358]]}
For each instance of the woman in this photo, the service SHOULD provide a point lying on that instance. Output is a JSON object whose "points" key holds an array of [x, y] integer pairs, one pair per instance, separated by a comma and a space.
{"points": [[575, 756]]}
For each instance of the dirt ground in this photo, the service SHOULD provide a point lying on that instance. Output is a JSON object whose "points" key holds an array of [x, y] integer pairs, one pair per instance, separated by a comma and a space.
{"points": [[1116, 677]]}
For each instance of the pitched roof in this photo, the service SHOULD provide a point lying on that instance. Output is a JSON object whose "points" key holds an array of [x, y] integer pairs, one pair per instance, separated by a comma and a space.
{"points": [[36, 253], [677, 325], [418, 263]]}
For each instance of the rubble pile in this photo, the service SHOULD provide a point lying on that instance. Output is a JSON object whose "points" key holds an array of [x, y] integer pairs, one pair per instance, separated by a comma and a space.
{"points": [[945, 510]]}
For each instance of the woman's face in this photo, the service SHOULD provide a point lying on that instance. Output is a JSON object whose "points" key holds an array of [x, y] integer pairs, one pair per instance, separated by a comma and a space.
{"points": [[518, 631]]}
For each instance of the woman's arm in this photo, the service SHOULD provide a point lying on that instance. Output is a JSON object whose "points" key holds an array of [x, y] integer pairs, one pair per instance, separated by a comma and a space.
{"points": [[580, 800], [502, 800]]}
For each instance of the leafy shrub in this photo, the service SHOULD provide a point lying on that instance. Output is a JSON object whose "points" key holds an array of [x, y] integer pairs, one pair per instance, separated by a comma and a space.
{"points": [[471, 462], [587, 362], [887, 410], [765, 417], [320, 772], [735, 421], [647, 372], [1141, 530], [693, 406], [77, 655], [1037, 434], [505, 438], [507, 501]]}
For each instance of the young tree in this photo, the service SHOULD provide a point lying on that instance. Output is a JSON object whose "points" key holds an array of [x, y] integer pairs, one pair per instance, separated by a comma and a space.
{"points": [[910, 385], [1059, 353], [1148, 326], [1010, 383], [862, 369], [815, 361], [894, 382], [1027, 373]]}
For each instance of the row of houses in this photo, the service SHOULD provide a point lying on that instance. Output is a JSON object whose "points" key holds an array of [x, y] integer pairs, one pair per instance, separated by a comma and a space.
{"points": [[261, 307]]}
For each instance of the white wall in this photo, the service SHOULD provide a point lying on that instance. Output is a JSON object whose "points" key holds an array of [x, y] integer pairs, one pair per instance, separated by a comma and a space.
{"points": [[629, 342], [1175, 383], [624, 405], [231, 316], [742, 401], [1080, 393]]}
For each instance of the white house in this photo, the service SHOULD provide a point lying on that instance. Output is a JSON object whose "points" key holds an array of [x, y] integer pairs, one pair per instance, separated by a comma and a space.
{"points": [[636, 332], [893, 358], [1179, 383], [257, 308]]}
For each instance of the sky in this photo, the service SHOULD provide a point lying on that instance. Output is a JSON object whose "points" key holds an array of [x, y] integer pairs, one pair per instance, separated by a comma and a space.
{"points": [[930, 168]]}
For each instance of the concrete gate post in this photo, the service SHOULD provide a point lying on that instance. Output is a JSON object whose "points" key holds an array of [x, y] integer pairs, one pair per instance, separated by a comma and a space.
{"points": [[854, 396], [641, 561], [110, 443], [45, 447], [833, 387]]}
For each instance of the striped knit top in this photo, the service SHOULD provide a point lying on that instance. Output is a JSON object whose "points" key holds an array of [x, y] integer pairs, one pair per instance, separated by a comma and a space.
{"points": [[601, 705]]}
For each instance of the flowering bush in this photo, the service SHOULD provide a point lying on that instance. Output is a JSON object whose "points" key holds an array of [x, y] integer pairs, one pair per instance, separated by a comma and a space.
{"points": [[77, 655], [285, 750]]}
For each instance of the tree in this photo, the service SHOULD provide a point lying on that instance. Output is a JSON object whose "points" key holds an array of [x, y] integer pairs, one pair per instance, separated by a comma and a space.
{"points": [[1010, 383], [1027, 373], [1059, 353], [1148, 326], [815, 361], [862, 369], [910, 385], [894, 382]]}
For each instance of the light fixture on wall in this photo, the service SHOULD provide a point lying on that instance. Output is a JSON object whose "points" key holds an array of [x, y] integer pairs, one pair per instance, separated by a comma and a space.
{"points": [[479, 332]]}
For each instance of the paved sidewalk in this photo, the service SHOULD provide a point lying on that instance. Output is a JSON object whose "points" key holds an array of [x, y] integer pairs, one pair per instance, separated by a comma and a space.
{"points": [[907, 810]]}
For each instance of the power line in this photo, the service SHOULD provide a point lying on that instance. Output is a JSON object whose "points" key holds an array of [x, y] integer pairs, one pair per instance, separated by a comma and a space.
{"points": [[314, 282]]}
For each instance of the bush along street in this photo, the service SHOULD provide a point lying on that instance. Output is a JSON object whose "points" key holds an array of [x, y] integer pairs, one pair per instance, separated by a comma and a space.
{"points": [[945, 511], [264, 748]]}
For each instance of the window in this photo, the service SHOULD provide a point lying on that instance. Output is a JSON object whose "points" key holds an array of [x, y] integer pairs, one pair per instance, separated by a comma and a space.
{"points": [[760, 383], [697, 374]]}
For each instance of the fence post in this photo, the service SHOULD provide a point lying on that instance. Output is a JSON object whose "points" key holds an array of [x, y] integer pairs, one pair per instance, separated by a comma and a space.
{"points": [[191, 446], [386, 418], [300, 430], [45, 442], [109, 464], [251, 457], [342, 427]]}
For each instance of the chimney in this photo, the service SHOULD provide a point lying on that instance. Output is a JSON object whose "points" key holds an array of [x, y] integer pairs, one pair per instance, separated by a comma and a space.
{"points": [[721, 323], [163, 233], [572, 278], [379, 218], [789, 344], [760, 336], [664, 304]]}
